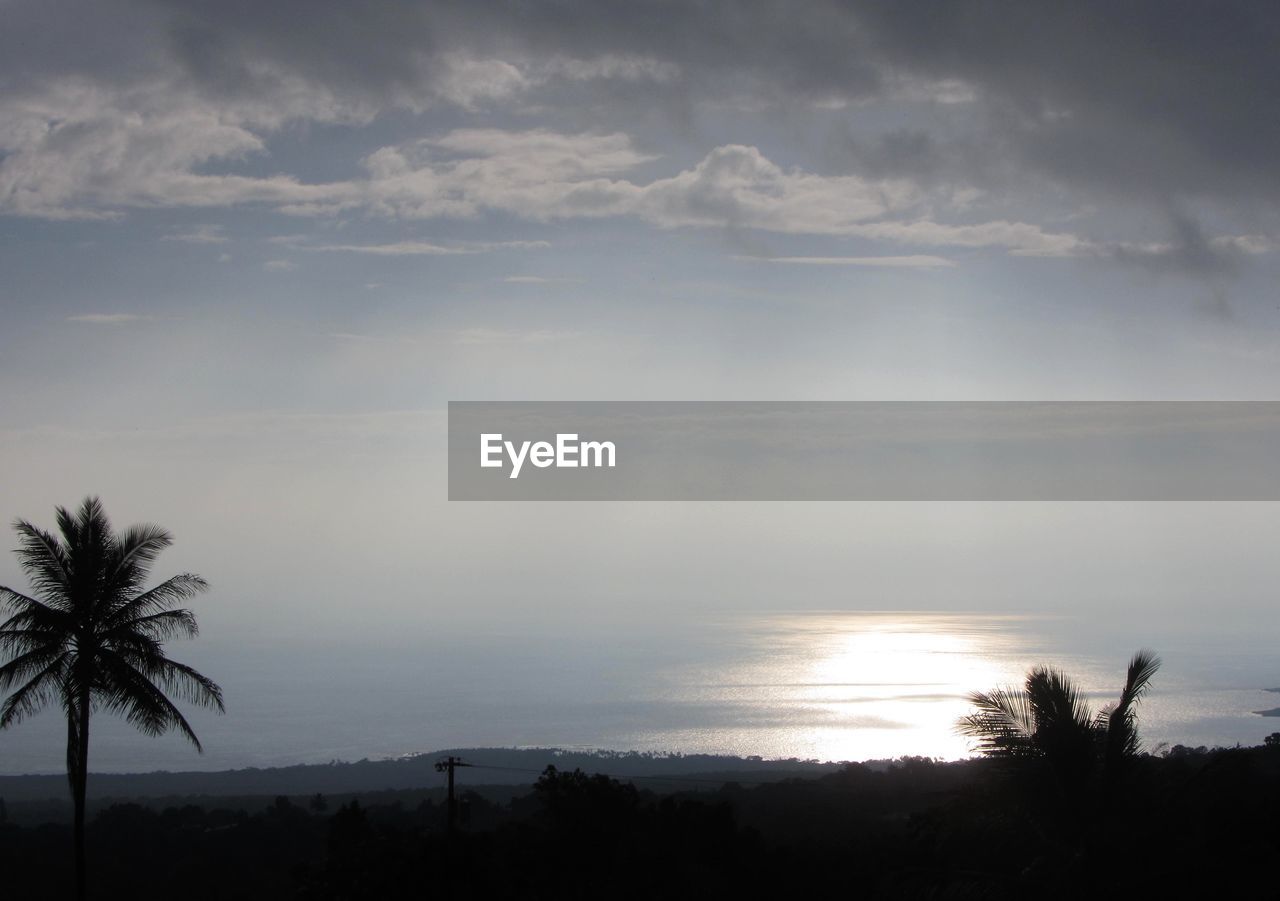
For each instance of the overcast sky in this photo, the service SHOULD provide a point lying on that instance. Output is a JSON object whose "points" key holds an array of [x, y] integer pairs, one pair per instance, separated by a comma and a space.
{"points": [[250, 250]]}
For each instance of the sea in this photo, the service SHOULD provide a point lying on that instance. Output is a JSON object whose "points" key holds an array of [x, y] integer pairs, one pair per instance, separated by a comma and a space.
{"points": [[818, 685]]}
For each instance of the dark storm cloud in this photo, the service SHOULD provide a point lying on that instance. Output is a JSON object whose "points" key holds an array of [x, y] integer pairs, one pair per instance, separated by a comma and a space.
{"points": [[367, 50], [1147, 98], [1163, 98], [1159, 103]]}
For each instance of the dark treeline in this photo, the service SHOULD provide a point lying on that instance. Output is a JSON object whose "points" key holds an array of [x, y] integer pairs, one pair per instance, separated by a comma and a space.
{"points": [[1189, 821], [513, 766]]}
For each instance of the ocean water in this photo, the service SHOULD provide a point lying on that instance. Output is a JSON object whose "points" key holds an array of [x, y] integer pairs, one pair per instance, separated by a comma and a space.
{"points": [[828, 686]]}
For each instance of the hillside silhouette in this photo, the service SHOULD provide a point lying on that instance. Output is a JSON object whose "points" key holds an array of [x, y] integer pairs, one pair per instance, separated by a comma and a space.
{"points": [[1192, 821]]}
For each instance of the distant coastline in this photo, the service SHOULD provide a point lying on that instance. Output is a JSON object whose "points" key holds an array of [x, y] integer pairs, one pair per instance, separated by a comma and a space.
{"points": [[493, 766], [1274, 711]]}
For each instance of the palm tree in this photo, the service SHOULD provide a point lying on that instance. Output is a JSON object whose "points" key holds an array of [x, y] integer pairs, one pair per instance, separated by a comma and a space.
{"points": [[1050, 720], [90, 638]]}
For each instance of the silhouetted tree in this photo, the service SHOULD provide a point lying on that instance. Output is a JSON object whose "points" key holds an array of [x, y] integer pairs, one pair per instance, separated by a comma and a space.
{"points": [[1050, 720], [91, 637], [578, 802]]}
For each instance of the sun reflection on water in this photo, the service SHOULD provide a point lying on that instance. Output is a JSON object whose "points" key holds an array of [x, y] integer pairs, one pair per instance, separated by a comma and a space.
{"points": [[847, 686]]}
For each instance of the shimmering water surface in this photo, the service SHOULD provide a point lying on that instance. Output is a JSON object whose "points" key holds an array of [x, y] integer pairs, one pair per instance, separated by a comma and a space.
{"points": [[834, 686]]}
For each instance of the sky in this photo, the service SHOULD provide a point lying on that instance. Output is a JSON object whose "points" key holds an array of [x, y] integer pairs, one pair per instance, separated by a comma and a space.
{"points": [[249, 251]]}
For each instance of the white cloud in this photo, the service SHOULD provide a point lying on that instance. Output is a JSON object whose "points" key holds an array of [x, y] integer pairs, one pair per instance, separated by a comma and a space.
{"points": [[80, 150], [279, 265], [539, 280], [542, 175], [737, 185], [467, 81], [77, 148], [1020, 238], [534, 174], [396, 249], [470, 82]]}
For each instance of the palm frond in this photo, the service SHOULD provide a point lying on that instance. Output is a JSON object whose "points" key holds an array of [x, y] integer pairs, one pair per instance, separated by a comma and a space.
{"points": [[25, 665], [1142, 669], [1003, 723], [1050, 719], [156, 626], [93, 527], [17, 602], [1056, 701], [126, 691], [136, 549], [20, 641], [159, 598], [45, 562], [1120, 725], [32, 614], [36, 694], [188, 684]]}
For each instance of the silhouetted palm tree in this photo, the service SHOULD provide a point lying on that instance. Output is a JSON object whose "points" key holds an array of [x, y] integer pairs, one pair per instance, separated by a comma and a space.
{"points": [[1049, 719], [90, 638]]}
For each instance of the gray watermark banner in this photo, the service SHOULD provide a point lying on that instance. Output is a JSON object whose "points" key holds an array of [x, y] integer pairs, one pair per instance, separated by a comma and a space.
{"points": [[848, 451]]}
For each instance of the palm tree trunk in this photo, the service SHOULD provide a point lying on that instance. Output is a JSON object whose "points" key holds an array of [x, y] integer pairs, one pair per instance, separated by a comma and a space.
{"points": [[78, 775]]}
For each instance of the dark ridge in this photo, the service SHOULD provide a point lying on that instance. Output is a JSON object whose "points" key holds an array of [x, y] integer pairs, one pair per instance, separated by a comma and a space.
{"points": [[494, 766]]}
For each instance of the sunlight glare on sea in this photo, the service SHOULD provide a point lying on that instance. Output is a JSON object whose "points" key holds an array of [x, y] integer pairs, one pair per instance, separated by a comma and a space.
{"points": [[846, 686]]}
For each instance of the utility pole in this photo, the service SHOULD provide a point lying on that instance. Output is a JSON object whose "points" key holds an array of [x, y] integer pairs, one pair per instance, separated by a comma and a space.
{"points": [[447, 766]]}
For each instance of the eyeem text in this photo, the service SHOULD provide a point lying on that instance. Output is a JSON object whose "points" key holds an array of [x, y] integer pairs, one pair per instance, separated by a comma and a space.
{"points": [[567, 452]]}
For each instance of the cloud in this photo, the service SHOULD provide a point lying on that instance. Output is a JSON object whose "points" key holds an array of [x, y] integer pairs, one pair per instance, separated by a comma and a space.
{"points": [[1145, 104], [540, 175], [422, 248], [107, 318], [468, 82], [913, 261], [180, 104], [472, 82], [1192, 252], [198, 234], [76, 149], [540, 280], [536, 173], [396, 249], [279, 265]]}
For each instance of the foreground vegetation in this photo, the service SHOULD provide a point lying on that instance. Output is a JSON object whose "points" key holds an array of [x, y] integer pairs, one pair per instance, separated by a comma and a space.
{"points": [[1190, 821], [92, 638]]}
